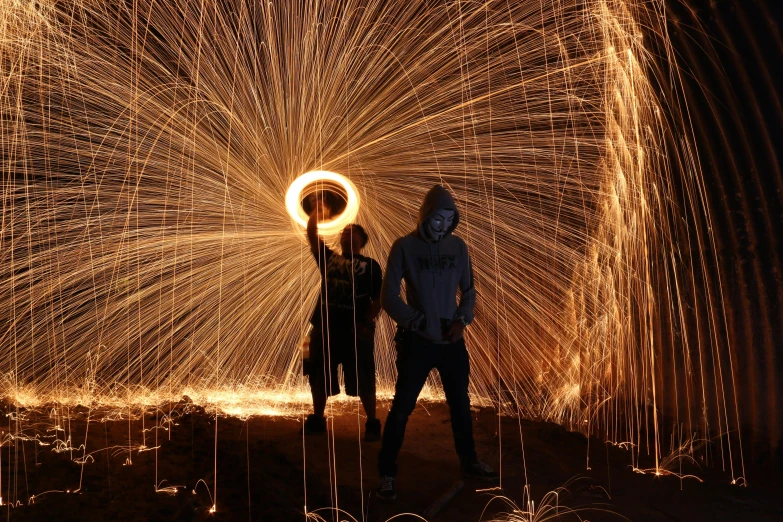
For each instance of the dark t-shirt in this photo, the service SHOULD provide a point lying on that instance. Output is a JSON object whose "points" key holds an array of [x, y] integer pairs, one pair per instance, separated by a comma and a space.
{"points": [[346, 285]]}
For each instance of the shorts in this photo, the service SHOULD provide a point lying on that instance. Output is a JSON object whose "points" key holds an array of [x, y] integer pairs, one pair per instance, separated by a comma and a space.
{"points": [[341, 347]]}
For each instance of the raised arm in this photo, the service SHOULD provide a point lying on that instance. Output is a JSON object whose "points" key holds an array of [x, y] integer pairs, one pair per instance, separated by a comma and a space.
{"points": [[316, 243], [403, 314]]}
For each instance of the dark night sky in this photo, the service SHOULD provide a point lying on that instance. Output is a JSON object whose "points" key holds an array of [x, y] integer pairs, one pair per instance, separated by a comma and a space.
{"points": [[733, 50]]}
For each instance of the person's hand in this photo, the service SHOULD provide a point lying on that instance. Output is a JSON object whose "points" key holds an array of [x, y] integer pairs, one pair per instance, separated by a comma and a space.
{"points": [[420, 325], [454, 332], [320, 210], [318, 206], [323, 210]]}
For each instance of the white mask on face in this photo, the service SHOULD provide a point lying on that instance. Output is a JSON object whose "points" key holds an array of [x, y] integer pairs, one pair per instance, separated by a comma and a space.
{"points": [[438, 224]]}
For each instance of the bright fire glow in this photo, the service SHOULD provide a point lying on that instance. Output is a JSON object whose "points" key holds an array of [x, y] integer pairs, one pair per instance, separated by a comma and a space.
{"points": [[332, 226]]}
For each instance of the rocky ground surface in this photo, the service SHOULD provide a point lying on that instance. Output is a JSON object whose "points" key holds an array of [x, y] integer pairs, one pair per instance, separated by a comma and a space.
{"points": [[267, 471]]}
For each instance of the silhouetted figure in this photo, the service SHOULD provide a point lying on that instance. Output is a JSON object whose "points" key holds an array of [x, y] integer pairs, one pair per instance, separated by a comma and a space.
{"points": [[343, 324], [430, 324]]}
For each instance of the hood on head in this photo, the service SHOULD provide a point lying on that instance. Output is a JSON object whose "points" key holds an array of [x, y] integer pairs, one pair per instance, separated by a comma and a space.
{"points": [[438, 198]]}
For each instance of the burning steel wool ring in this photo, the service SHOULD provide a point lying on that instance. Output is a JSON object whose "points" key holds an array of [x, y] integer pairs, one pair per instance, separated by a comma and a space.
{"points": [[293, 199]]}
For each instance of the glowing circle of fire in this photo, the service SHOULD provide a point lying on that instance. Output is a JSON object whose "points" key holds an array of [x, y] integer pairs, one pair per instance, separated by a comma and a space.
{"points": [[294, 196]]}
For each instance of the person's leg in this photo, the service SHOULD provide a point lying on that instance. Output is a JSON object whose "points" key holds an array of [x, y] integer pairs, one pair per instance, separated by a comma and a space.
{"points": [[318, 372], [315, 422], [366, 377], [359, 373], [368, 403], [333, 354], [350, 358], [365, 373], [453, 364], [319, 397], [413, 366]]}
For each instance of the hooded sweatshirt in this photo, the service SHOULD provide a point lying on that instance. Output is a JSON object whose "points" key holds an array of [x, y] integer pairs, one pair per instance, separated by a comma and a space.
{"points": [[432, 271]]}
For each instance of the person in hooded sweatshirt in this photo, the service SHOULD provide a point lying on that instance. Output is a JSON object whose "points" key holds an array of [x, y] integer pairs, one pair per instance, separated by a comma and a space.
{"points": [[434, 263]]}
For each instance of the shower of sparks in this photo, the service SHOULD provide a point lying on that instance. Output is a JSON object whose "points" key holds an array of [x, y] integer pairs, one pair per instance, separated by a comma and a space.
{"points": [[148, 253]]}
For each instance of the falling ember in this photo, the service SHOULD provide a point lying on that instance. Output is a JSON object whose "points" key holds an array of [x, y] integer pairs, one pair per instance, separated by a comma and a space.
{"points": [[151, 172]]}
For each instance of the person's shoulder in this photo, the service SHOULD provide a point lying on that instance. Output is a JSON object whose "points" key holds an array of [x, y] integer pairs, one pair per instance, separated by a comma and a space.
{"points": [[457, 240], [375, 266], [404, 241], [368, 259]]}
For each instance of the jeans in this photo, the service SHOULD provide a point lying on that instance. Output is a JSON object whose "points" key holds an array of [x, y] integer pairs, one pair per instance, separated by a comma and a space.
{"points": [[416, 357]]}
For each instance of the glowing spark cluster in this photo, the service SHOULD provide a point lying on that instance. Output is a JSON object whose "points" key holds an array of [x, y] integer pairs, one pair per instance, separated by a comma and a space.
{"points": [[293, 200], [149, 249]]}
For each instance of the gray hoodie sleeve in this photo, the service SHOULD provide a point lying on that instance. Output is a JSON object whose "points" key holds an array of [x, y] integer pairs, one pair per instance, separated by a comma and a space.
{"points": [[467, 298], [403, 314]]}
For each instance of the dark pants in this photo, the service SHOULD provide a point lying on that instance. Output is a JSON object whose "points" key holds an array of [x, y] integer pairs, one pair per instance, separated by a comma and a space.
{"points": [[416, 357]]}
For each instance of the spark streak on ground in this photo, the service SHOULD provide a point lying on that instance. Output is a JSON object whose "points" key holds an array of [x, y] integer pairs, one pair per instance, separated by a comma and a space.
{"points": [[147, 252]]}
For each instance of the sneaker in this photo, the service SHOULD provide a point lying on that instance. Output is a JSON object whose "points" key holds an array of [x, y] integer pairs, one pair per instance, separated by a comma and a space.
{"points": [[481, 471], [314, 425], [372, 430], [386, 489]]}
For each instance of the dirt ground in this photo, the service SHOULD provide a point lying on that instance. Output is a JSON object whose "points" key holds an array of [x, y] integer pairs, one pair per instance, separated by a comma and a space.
{"points": [[266, 471]]}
